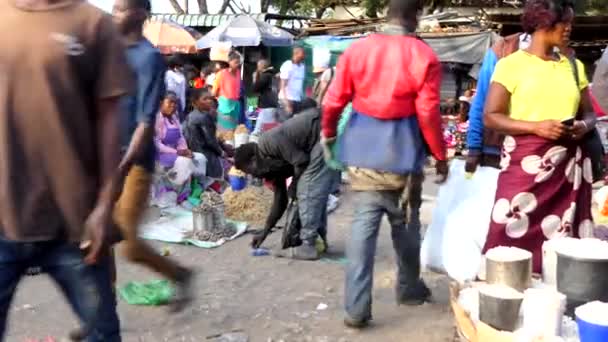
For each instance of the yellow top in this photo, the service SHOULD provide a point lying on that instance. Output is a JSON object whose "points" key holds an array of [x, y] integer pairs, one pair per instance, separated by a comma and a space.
{"points": [[540, 90]]}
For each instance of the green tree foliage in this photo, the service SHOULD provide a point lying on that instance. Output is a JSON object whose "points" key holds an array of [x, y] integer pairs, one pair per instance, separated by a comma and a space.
{"points": [[599, 6], [374, 8]]}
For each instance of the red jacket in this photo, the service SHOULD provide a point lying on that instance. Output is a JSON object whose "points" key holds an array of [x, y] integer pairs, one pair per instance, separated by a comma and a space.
{"points": [[388, 77]]}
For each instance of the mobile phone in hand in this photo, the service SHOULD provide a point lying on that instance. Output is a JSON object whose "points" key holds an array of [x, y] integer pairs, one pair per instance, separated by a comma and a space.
{"points": [[568, 122]]}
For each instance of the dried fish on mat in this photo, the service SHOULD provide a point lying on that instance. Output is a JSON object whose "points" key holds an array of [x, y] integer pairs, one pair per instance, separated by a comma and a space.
{"points": [[209, 219], [250, 205], [218, 233]]}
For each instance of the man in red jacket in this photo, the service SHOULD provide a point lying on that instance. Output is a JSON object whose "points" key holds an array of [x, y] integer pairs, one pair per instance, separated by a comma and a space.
{"points": [[393, 80]]}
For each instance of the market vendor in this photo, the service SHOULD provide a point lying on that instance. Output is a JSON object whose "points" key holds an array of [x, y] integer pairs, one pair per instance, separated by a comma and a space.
{"points": [[293, 150], [267, 100], [176, 163], [201, 133], [227, 89]]}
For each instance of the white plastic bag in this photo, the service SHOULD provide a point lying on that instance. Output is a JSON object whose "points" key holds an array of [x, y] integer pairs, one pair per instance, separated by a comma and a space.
{"points": [[185, 167], [460, 224], [181, 171], [240, 139], [199, 161]]}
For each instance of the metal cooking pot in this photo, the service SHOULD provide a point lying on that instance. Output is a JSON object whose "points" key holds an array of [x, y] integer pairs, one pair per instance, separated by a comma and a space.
{"points": [[582, 280], [515, 274], [499, 313], [202, 219]]}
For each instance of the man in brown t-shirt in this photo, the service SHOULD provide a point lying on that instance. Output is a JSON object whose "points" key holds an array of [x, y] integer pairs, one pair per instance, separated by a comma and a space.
{"points": [[62, 72]]}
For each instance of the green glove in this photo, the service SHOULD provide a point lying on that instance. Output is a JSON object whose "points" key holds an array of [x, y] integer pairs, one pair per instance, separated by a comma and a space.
{"points": [[327, 144]]}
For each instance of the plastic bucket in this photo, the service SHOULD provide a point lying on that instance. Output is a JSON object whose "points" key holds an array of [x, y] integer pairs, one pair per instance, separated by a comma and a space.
{"points": [[237, 183], [589, 332]]}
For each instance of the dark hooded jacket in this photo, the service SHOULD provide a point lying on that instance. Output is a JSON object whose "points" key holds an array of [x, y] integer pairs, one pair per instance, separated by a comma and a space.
{"points": [[294, 139]]}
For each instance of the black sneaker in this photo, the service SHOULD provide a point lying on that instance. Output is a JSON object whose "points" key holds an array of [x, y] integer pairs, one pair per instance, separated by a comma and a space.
{"points": [[356, 323], [304, 252], [414, 295]]}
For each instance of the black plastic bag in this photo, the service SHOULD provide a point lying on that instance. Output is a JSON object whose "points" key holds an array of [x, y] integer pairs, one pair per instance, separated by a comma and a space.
{"points": [[293, 225], [593, 144]]}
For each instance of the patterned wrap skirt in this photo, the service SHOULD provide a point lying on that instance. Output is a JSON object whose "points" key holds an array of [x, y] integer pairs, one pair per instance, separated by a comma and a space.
{"points": [[544, 192]]}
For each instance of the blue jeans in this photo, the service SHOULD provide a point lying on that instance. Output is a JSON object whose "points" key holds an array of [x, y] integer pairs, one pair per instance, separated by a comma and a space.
{"points": [[88, 289], [361, 250], [312, 193], [336, 181]]}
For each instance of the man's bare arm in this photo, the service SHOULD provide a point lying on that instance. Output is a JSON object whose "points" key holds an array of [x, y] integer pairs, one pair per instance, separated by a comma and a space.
{"points": [[141, 138], [98, 224]]}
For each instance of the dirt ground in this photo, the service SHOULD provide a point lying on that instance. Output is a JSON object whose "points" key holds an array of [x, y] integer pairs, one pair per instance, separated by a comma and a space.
{"points": [[262, 298]]}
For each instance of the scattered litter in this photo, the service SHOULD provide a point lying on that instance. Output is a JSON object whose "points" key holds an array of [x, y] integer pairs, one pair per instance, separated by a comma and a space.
{"points": [[157, 292], [303, 315], [335, 260], [322, 307], [229, 337], [260, 252]]}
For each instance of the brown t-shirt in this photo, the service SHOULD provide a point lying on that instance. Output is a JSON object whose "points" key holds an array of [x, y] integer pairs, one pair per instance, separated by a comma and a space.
{"points": [[55, 64]]}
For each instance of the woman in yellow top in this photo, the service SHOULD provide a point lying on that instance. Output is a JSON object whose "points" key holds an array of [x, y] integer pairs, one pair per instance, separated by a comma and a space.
{"points": [[537, 101]]}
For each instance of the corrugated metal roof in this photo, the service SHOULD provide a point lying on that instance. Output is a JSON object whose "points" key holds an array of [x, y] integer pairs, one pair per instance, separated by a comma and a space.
{"points": [[203, 20]]}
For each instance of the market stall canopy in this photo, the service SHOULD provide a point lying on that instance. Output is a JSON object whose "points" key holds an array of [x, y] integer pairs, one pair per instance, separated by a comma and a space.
{"points": [[464, 47], [458, 47], [244, 30], [170, 37]]}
